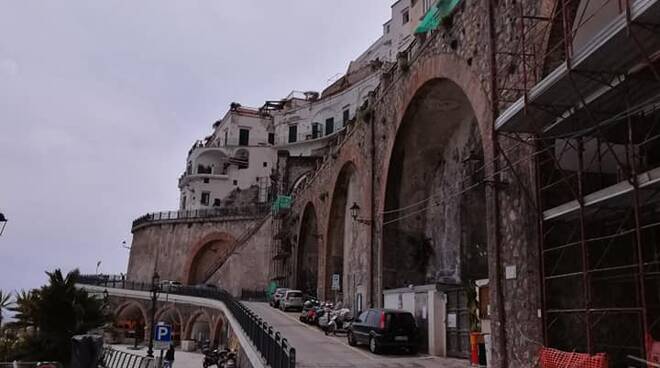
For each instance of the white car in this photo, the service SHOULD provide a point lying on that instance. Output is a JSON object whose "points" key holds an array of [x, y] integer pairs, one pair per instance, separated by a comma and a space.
{"points": [[292, 299], [169, 286]]}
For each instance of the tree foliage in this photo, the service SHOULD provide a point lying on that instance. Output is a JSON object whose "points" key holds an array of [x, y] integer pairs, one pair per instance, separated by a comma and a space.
{"points": [[5, 303], [57, 312]]}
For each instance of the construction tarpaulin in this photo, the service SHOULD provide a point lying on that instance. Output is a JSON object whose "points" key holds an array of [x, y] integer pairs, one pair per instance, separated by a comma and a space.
{"points": [[436, 14]]}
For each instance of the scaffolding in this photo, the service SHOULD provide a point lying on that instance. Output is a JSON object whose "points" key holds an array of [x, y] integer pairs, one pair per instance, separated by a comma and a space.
{"points": [[579, 90]]}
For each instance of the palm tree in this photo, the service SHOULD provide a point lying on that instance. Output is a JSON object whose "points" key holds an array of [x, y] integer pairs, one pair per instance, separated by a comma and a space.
{"points": [[5, 302], [26, 309]]}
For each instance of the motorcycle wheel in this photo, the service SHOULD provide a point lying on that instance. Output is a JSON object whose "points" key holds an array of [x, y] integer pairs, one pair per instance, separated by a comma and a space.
{"points": [[351, 339]]}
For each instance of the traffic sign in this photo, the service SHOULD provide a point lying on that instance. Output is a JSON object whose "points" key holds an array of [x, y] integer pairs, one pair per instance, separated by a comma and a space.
{"points": [[162, 335]]}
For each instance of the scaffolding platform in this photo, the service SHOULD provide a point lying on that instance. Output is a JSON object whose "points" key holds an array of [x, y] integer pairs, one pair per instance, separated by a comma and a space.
{"points": [[572, 84]]}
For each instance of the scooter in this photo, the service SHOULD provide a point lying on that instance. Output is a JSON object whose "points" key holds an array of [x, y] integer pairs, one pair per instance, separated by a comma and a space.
{"points": [[211, 357], [340, 321]]}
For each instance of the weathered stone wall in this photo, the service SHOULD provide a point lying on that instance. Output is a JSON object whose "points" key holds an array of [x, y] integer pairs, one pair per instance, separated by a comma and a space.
{"points": [[179, 249], [459, 52]]}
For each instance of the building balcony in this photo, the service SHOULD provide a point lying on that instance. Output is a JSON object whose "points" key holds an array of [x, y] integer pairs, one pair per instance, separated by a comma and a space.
{"points": [[187, 178]]}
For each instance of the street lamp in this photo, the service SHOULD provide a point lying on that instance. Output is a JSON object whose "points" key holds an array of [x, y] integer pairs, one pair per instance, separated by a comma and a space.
{"points": [[355, 212], [3, 222], [155, 281]]}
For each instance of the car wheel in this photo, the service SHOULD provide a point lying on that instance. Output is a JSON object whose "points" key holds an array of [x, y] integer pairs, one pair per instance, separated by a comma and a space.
{"points": [[351, 339], [373, 345]]}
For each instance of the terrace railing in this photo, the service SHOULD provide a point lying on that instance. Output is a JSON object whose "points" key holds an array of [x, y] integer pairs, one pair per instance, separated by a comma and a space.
{"points": [[207, 213]]}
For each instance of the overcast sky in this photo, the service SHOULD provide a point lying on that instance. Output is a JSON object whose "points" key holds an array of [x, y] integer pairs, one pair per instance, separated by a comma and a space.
{"points": [[101, 100]]}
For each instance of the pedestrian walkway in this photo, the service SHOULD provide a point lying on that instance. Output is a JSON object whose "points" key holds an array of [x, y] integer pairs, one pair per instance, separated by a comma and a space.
{"points": [[315, 350], [182, 359]]}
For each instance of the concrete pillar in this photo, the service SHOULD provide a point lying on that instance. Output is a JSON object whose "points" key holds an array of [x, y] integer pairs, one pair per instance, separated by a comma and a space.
{"points": [[437, 323]]}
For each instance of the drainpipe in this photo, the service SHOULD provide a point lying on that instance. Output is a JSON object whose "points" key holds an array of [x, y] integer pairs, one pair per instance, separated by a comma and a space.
{"points": [[501, 317]]}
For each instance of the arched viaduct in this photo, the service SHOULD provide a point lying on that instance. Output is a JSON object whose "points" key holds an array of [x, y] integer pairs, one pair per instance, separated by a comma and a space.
{"points": [[191, 325], [421, 164]]}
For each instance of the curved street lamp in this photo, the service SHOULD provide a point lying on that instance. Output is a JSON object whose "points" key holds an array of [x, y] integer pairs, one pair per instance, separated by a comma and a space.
{"points": [[3, 222]]}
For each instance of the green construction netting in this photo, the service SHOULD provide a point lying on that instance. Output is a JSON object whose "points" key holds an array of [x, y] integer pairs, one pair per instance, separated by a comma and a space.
{"points": [[435, 15], [280, 203], [271, 289]]}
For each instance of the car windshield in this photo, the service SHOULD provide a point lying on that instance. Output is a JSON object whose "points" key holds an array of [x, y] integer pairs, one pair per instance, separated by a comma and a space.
{"points": [[295, 294], [400, 320]]}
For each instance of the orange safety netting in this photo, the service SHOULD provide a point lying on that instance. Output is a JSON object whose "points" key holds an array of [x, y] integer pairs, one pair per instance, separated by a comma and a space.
{"points": [[553, 358]]}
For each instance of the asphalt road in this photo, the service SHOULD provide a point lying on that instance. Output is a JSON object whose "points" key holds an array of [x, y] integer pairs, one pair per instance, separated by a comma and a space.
{"points": [[314, 349]]}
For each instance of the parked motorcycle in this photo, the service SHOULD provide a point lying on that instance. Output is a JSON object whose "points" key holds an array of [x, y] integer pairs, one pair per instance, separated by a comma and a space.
{"points": [[211, 357], [340, 321]]}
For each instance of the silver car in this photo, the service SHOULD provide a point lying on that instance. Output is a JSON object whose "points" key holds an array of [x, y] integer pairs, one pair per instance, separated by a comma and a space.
{"points": [[292, 299]]}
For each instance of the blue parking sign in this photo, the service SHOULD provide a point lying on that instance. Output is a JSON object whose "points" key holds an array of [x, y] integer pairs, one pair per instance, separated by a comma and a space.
{"points": [[162, 335]]}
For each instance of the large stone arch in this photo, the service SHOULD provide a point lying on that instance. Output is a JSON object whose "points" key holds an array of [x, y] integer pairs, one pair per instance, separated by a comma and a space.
{"points": [[434, 221], [209, 251], [307, 254], [340, 230], [392, 109]]}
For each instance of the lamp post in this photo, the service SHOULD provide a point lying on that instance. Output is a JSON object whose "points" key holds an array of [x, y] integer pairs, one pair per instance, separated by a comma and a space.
{"points": [[3, 222], [355, 212], [155, 280]]}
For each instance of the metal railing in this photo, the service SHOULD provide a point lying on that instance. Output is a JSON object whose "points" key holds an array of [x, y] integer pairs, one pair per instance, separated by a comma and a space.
{"points": [[249, 211], [112, 358], [273, 347]]}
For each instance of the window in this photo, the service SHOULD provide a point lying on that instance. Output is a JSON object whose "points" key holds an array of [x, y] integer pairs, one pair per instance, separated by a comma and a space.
{"points": [[363, 317], [183, 203], [235, 182], [206, 197], [265, 164], [347, 115], [271, 138], [293, 133], [373, 319], [244, 137], [216, 202], [316, 130], [206, 180], [387, 29], [201, 169], [405, 16], [226, 134], [329, 126]]}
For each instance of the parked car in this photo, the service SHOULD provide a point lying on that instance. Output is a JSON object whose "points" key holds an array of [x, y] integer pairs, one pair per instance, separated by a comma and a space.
{"points": [[169, 286], [292, 299], [384, 329], [275, 299]]}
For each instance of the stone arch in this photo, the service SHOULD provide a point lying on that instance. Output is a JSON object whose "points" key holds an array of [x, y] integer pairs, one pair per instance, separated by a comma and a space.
{"points": [[340, 229], [199, 326], [307, 254], [209, 251], [131, 320], [434, 223], [171, 315]]}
